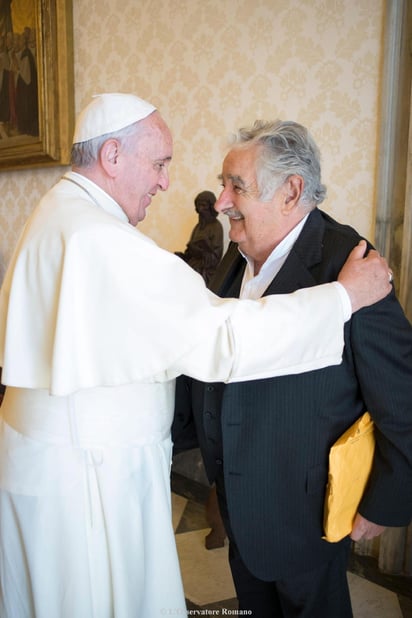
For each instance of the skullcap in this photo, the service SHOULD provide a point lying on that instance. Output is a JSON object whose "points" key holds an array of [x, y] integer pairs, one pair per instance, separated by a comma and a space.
{"points": [[109, 112]]}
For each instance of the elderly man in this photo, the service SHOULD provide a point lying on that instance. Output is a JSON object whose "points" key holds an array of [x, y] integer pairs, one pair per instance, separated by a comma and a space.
{"points": [[96, 321], [266, 442]]}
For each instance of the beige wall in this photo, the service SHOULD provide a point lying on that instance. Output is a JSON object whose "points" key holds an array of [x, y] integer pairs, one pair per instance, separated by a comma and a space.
{"points": [[213, 65]]}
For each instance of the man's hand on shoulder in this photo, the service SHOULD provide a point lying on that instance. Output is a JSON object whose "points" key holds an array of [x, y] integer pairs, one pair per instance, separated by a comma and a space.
{"points": [[366, 279]]}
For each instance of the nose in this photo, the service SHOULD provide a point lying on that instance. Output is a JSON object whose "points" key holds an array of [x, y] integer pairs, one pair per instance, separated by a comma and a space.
{"points": [[164, 180], [224, 201]]}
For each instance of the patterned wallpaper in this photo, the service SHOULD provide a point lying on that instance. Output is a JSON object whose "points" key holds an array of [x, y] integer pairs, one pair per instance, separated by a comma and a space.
{"points": [[213, 65]]}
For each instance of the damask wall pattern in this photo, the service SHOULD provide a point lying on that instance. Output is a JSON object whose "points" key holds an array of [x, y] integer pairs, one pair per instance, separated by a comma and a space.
{"points": [[213, 65]]}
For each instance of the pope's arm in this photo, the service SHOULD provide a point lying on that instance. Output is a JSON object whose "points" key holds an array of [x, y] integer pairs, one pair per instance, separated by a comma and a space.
{"points": [[288, 334], [277, 335]]}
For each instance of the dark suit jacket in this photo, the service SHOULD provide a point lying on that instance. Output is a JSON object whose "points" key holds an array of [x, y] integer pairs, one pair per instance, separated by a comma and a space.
{"points": [[274, 435]]}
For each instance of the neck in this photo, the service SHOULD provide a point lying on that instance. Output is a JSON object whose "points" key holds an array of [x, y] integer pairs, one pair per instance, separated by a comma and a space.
{"points": [[260, 257], [257, 266]]}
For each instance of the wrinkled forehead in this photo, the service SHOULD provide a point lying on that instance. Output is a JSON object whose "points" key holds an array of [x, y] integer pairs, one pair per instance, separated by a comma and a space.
{"points": [[240, 164], [155, 137]]}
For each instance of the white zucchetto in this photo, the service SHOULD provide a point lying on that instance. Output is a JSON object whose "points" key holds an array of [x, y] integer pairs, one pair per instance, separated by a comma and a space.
{"points": [[110, 112]]}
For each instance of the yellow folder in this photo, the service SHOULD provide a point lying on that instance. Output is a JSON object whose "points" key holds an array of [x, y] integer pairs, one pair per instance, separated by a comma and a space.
{"points": [[350, 463]]}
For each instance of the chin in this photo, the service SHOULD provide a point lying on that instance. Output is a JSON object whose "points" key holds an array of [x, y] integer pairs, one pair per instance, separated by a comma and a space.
{"points": [[236, 235], [141, 216]]}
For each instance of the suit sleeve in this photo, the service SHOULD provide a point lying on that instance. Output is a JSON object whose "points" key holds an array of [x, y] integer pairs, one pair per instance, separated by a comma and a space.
{"points": [[381, 339], [184, 434]]}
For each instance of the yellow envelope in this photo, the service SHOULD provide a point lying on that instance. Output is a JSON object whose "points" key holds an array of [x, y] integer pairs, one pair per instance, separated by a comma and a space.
{"points": [[350, 463]]}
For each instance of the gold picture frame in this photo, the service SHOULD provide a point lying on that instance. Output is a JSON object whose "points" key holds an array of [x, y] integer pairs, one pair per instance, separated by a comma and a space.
{"points": [[36, 128]]}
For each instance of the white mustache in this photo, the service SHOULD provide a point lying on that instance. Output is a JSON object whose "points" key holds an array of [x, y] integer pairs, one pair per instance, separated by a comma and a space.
{"points": [[233, 214]]}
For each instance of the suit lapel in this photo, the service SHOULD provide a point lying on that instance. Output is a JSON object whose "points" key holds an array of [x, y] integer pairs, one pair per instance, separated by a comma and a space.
{"points": [[228, 279], [304, 255]]}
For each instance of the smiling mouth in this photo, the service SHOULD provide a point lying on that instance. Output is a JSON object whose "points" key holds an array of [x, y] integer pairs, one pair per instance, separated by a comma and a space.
{"points": [[234, 215]]}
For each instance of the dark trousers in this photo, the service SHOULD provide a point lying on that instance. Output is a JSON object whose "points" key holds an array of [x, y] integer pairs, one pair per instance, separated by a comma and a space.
{"points": [[319, 593]]}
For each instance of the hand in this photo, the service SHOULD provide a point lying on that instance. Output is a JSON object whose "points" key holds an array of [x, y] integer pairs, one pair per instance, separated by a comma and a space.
{"points": [[364, 529], [366, 279]]}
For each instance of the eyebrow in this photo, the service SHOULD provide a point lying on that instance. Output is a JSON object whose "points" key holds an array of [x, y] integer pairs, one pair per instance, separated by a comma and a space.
{"points": [[234, 178]]}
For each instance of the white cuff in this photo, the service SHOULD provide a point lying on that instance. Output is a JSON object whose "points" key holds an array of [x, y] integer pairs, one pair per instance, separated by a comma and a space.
{"points": [[345, 300]]}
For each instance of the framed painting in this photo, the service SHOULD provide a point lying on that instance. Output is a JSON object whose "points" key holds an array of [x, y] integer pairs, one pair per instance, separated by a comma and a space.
{"points": [[36, 83]]}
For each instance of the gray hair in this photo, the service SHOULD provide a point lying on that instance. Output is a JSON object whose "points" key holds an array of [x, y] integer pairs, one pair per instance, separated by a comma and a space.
{"points": [[85, 154], [286, 148]]}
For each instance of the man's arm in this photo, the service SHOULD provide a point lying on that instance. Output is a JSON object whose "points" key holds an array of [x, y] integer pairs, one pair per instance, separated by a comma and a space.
{"points": [[381, 342]]}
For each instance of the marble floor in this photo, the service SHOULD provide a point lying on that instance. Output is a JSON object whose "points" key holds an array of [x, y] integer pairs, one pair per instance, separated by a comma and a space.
{"points": [[208, 584]]}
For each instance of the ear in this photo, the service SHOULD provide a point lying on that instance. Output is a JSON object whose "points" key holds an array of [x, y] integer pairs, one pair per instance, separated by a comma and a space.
{"points": [[293, 189], [109, 154]]}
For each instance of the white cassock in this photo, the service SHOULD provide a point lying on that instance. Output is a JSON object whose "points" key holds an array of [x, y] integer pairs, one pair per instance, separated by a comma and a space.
{"points": [[96, 321]]}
